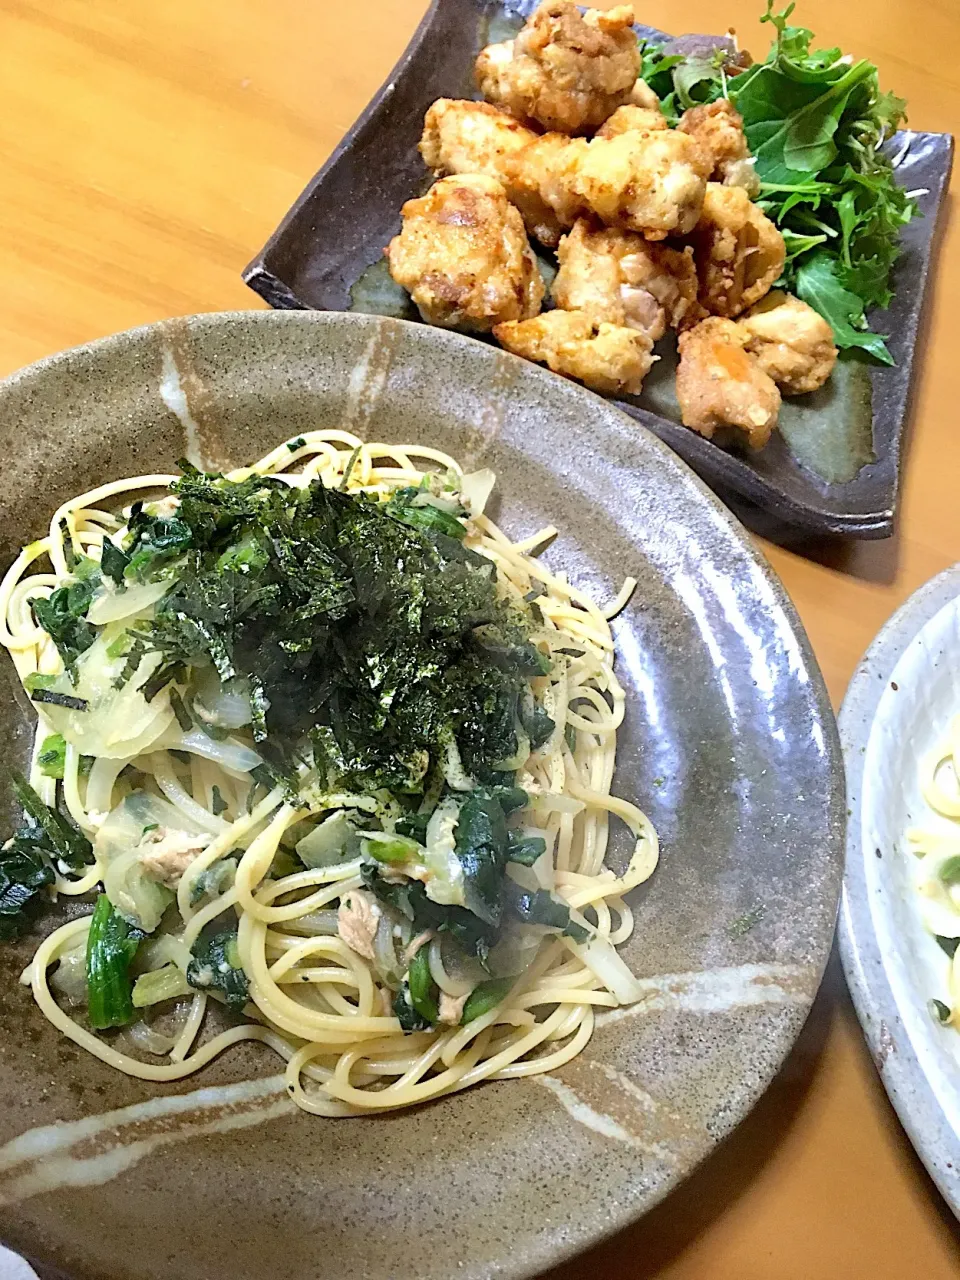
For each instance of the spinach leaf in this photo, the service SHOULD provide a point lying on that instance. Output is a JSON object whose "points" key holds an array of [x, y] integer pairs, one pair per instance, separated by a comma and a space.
{"points": [[114, 562], [63, 617], [543, 908], [410, 1017], [216, 966], [111, 946], [25, 871], [48, 830]]}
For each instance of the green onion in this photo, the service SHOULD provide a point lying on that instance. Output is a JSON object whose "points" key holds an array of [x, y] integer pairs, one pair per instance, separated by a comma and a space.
{"points": [[389, 849], [484, 998], [423, 990]]}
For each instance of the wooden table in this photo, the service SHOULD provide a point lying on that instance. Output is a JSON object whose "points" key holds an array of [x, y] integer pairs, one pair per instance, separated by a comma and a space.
{"points": [[147, 149]]}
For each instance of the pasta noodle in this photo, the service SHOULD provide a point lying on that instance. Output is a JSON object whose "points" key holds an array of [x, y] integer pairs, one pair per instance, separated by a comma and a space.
{"points": [[314, 999]]}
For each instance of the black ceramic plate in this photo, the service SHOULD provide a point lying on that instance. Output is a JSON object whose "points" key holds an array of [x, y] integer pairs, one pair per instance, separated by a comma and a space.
{"points": [[825, 471]]}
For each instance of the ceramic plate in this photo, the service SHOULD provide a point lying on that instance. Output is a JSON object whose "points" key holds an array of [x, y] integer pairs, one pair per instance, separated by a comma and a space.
{"points": [[898, 709], [729, 743], [834, 465]]}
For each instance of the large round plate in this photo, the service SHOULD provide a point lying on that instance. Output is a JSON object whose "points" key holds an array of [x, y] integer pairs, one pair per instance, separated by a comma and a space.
{"points": [[729, 743], [898, 708]]}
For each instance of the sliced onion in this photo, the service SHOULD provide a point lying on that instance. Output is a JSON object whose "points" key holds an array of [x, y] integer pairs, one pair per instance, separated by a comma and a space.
{"points": [[230, 753], [385, 951], [317, 924], [475, 490], [604, 963], [115, 723], [112, 604], [225, 705], [144, 1038]]}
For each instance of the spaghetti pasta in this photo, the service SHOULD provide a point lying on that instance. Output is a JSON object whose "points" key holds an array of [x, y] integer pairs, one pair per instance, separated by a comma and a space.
{"points": [[222, 853]]}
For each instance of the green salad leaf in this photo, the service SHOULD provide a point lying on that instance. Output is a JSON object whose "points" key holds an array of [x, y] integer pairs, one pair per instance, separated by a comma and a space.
{"points": [[816, 122]]}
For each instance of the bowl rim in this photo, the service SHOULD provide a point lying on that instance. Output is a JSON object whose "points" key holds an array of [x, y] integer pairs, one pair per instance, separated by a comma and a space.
{"points": [[933, 1137]]}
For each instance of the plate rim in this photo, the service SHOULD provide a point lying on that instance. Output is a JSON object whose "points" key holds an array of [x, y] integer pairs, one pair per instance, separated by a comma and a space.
{"points": [[536, 1255], [933, 1138], [814, 517]]}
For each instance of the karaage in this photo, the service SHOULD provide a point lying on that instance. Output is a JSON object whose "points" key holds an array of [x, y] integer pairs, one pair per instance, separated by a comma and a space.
{"points": [[566, 70], [793, 343], [738, 250], [605, 357], [721, 384], [463, 255]]}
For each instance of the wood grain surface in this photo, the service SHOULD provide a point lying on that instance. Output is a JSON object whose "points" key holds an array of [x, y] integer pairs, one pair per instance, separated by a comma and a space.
{"points": [[148, 149]]}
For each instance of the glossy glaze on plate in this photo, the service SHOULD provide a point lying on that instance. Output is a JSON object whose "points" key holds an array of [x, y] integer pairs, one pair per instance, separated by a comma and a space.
{"points": [[351, 209], [899, 704], [729, 743]]}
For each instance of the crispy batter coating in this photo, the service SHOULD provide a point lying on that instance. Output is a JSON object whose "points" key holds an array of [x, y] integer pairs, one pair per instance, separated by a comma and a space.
{"points": [[793, 343], [641, 95], [630, 118], [606, 357], [565, 70], [619, 277], [545, 185], [721, 384], [473, 137], [646, 180], [718, 130], [464, 256], [738, 250]]}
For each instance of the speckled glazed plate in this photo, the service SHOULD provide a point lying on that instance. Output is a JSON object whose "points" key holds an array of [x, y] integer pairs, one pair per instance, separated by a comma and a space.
{"points": [[835, 464], [729, 743], [897, 709]]}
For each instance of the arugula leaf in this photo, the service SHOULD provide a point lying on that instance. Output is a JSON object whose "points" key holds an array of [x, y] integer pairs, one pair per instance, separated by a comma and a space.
{"points": [[816, 122], [817, 283]]}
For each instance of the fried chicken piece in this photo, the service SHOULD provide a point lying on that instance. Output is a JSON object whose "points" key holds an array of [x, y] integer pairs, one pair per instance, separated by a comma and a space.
{"points": [[641, 95], [721, 384], [464, 256], [793, 343], [646, 180], [606, 357], [738, 250], [545, 185], [629, 119], [718, 130], [566, 70], [473, 137], [621, 278]]}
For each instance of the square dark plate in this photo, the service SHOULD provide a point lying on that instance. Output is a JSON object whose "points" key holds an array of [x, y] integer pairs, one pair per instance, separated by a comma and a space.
{"points": [[350, 210]]}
